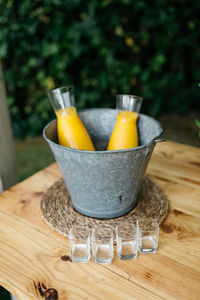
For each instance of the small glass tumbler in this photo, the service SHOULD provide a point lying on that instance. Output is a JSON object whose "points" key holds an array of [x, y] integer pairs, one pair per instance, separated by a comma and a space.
{"points": [[102, 245], [126, 237], [79, 241], [129, 102], [148, 234]]}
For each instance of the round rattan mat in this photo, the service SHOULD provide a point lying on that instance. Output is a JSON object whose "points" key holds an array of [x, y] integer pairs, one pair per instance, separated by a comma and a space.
{"points": [[58, 212]]}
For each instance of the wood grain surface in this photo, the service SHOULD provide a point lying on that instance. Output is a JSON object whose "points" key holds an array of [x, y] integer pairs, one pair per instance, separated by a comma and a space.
{"points": [[31, 253]]}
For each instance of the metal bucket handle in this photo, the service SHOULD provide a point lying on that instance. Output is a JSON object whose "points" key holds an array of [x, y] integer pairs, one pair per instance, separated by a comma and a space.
{"points": [[159, 140], [154, 141]]}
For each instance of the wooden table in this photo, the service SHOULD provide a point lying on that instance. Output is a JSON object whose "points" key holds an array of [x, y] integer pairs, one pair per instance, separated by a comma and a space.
{"points": [[30, 251]]}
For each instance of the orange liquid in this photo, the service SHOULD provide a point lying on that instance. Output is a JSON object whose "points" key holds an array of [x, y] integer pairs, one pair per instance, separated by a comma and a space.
{"points": [[124, 134], [71, 131]]}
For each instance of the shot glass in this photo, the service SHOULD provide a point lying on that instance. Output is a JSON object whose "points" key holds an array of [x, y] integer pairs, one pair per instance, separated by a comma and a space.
{"points": [[102, 245], [126, 237], [129, 102], [148, 234], [79, 241]]}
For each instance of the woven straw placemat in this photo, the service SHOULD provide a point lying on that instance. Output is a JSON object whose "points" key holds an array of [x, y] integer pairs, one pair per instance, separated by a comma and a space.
{"points": [[58, 212]]}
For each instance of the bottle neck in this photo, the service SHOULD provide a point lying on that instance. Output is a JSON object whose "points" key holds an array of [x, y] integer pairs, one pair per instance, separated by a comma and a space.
{"points": [[68, 111], [127, 116]]}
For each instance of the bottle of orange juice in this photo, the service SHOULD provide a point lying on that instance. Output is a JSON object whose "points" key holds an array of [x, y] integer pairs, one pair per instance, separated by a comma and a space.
{"points": [[124, 134], [71, 130]]}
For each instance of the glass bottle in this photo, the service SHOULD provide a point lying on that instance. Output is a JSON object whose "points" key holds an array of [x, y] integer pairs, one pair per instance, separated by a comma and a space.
{"points": [[124, 134], [71, 131]]}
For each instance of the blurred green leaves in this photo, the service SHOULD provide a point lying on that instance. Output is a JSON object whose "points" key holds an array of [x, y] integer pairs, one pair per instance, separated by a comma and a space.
{"points": [[198, 125], [148, 48]]}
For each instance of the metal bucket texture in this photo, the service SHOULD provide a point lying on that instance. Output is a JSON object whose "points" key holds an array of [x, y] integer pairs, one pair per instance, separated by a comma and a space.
{"points": [[104, 184]]}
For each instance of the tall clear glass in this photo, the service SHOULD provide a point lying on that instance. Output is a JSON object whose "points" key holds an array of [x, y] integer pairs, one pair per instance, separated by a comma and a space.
{"points": [[129, 103]]}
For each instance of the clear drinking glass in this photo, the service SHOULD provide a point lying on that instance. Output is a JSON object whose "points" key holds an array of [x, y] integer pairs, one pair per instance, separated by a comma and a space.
{"points": [[148, 234], [126, 237], [102, 245], [62, 98], [129, 102], [79, 241]]}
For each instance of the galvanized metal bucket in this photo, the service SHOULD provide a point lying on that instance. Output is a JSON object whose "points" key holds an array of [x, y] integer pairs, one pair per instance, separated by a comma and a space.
{"points": [[104, 184]]}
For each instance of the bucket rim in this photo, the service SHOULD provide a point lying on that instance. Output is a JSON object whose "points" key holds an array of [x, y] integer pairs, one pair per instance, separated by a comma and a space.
{"points": [[101, 151]]}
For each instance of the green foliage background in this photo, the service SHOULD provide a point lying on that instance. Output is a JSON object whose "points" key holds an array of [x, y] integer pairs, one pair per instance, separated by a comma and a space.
{"points": [[101, 47]]}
